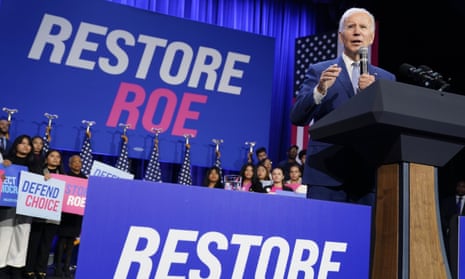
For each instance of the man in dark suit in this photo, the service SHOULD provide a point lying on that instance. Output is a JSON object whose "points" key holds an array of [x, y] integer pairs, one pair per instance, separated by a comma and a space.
{"points": [[4, 137], [451, 208], [334, 172]]}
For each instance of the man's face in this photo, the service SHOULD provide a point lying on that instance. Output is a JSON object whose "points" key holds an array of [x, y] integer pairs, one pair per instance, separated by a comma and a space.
{"points": [[3, 126], [262, 155], [460, 188], [75, 164]]}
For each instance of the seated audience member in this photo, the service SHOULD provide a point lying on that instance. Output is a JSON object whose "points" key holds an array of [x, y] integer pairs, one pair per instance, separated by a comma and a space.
{"points": [[278, 181], [263, 175], [268, 164], [250, 182], [295, 181], [260, 153], [302, 157], [212, 178], [292, 152]]}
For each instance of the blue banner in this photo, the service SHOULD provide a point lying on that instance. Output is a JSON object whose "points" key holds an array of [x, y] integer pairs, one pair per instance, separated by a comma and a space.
{"points": [[140, 229], [113, 64]]}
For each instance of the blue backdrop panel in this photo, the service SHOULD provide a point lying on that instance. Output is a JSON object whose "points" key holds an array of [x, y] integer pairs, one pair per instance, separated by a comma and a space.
{"points": [[113, 64], [138, 229]]}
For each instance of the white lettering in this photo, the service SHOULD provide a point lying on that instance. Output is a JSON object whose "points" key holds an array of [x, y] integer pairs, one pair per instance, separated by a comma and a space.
{"points": [[169, 254], [207, 257], [229, 72], [209, 68], [326, 264], [305, 265], [131, 254], [80, 44], [45, 36], [121, 56]]}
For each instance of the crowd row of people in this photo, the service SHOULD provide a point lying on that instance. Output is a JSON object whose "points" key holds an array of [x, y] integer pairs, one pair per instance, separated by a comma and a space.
{"points": [[26, 242], [29, 241], [262, 177]]}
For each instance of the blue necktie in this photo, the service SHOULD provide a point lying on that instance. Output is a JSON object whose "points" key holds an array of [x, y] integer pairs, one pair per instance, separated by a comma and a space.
{"points": [[3, 147], [459, 205], [355, 76]]}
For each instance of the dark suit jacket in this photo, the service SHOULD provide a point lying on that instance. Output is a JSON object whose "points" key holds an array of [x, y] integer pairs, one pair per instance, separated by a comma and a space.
{"points": [[328, 164], [8, 146]]}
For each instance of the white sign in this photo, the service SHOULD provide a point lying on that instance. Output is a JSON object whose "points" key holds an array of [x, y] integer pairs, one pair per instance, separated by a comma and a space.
{"points": [[38, 197], [104, 170]]}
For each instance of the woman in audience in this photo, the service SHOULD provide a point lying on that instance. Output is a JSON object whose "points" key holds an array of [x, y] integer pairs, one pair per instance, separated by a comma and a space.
{"points": [[38, 154], [14, 228], [250, 182], [295, 181], [213, 178], [278, 181], [42, 230], [69, 230], [263, 175], [268, 165]]}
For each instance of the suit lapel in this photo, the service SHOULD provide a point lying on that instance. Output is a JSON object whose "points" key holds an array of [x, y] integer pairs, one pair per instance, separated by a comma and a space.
{"points": [[344, 78]]}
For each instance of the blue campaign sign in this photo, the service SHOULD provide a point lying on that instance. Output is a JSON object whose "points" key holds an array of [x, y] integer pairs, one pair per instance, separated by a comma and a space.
{"points": [[113, 64], [9, 193], [140, 229]]}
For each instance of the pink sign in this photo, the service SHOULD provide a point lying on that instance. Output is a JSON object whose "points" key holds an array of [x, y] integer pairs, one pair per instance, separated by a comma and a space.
{"points": [[74, 199]]}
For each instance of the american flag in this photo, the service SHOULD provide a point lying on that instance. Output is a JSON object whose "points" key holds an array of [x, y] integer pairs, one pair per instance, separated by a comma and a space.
{"points": [[153, 171], [310, 50], [185, 175], [86, 156], [218, 164], [122, 162], [46, 144], [46, 139]]}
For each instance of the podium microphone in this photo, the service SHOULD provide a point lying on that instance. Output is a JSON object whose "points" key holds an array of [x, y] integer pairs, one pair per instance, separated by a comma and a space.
{"points": [[424, 76], [363, 53]]}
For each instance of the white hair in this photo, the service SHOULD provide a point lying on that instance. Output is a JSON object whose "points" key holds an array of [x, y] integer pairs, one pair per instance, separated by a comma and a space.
{"points": [[352, 11]]}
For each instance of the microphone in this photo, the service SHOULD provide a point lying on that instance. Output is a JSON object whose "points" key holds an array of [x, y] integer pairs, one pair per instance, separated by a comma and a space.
{"points": [[423, 76], [363, 53]]}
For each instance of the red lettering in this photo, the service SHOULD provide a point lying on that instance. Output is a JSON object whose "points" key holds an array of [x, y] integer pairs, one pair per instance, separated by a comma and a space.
{"points": [[161, 96], [152, 106], [42, 203], [184, 114], [122, 103]]}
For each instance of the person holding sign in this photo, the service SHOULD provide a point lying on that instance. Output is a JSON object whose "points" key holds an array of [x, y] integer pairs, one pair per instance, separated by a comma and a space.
{"points": [[43, 231], [14, 228], [69, 229]]}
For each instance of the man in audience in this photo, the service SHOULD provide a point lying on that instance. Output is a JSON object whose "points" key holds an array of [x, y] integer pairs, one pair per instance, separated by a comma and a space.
{"points": [[4, 141], [286, 164]]}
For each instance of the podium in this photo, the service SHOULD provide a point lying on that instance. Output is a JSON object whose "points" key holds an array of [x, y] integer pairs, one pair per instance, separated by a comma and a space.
{"points": [[406, 132]]}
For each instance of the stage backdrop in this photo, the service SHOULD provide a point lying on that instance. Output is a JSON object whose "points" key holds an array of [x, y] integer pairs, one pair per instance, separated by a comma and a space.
{"points": [[113, 64], [140, 229]]}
